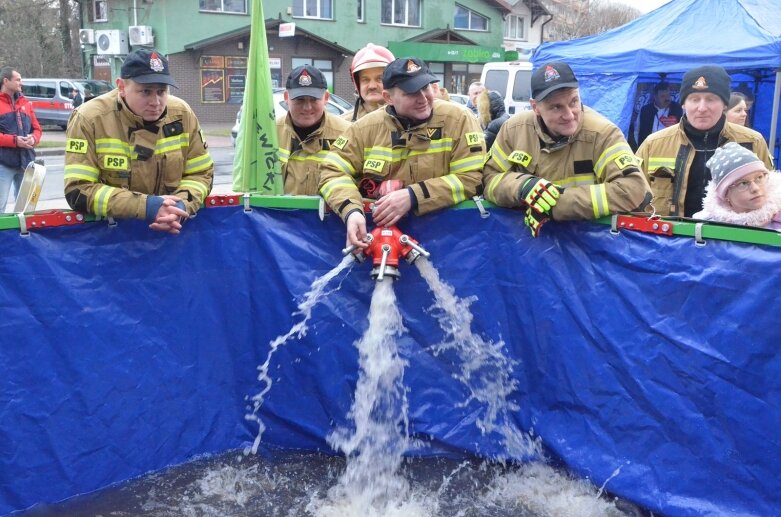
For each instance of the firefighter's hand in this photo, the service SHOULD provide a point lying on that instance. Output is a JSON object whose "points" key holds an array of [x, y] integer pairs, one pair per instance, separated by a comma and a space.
{"points": [[169, 217], [534, 220], [540, 195], [356, 230], [391, 207]]}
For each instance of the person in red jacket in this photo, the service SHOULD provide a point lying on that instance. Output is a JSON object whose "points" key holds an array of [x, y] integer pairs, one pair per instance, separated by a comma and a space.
{"points": [[19, 133]]}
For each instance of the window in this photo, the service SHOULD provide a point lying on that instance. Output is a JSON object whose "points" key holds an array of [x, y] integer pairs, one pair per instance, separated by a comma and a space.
{"points": [[361, 10], [469, 20], [224, 6], [401, 12], [513, 27], [100, 11], [313, 9]]}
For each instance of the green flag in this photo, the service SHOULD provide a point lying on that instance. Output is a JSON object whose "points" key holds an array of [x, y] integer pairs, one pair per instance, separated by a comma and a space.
{"points": [[256, 162]]}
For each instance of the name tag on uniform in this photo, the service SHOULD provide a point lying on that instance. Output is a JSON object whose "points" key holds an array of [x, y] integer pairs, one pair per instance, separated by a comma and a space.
{"points": [[115, 163], [340, 142], [626, 160], [373, 165], [76, 145], [521, 158], [473, 138]]}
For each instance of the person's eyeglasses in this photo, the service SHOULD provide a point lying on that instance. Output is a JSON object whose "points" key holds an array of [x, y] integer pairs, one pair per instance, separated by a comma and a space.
{"points": [[744, 185]]}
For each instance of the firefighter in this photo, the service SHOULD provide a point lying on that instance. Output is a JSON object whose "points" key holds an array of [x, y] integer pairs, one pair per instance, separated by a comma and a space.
{"points": [[434, 149], [138, 152], [562, 160], [366, 74], [306, 132]]}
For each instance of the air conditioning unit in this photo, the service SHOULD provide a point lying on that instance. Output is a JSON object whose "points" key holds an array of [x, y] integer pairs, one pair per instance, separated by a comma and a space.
{"points": [[111, 42], [140, 35], [87, 36]]}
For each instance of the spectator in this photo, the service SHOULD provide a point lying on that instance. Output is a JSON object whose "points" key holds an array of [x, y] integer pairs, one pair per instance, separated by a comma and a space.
{"points": [[475, 89], [658, 114], [307, 131], [435, 149], [562, 160], [78, 100], [675, 158], [88, 95], [366, 73], [742, 190], [440, 93], [138, 152], [19, 133], [737, 111], [491, 114]]}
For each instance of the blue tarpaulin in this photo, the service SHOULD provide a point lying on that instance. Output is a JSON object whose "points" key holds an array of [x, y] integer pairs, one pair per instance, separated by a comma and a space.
{"points": [[124, 351], [743, 36]]}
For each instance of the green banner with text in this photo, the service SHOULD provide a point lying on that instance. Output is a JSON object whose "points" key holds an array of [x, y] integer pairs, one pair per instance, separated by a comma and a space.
{"points": [[447, 53]]}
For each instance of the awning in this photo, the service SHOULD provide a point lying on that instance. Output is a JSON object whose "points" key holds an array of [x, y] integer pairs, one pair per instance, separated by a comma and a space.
{"points": [[447, 53]]}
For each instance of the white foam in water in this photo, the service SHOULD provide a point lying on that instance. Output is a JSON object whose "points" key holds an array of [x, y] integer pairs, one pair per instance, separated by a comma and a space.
{"points": [[311, 298]]}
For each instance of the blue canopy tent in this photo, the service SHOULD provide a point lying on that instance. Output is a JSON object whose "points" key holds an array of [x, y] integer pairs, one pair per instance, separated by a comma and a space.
{"points": [[743, 36]]}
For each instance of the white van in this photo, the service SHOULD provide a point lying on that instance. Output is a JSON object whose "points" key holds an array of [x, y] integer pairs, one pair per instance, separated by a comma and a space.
{"points": [[512, 79], [51, 98]]}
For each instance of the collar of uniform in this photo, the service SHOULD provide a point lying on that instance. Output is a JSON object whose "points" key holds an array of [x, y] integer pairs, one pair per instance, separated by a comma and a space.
{"points": [[311, 137]]}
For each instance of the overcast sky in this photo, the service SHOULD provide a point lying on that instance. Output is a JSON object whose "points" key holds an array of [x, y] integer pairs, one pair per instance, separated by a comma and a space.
{"points": [[644, 6]]}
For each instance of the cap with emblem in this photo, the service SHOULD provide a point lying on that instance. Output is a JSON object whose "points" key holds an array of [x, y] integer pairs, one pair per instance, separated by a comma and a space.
{"points": [[706, 79], [306, 81], [147, 66], [408, 73], [551, 77]]}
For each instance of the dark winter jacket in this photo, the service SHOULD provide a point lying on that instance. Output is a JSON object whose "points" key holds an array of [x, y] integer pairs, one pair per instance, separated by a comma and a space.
{"points": [[498, 116]]}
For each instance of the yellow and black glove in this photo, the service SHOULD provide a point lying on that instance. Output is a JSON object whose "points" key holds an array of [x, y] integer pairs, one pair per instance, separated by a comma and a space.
{"points": [[534, 220], [540, 195]]}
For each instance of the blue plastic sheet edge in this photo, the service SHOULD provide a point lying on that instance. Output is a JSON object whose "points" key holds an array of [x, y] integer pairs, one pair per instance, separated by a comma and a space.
{"points": [[125, 351]]}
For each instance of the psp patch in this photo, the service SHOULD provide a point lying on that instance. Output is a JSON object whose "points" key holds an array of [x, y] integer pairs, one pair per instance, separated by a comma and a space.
{"points": [[115, 163], [627, 160], [373, 165], [522, 158], [340, 142], [473, 138], [76, 145]]}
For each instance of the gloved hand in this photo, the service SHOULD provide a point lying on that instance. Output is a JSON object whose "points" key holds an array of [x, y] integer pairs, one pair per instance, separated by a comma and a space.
{"points": [[540, 195], [534, 220]]}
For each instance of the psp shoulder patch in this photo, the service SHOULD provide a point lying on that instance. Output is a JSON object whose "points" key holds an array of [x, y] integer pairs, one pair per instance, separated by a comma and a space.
{"points": [[340, 142], [625, 160], [522, 158], [373, 165], [76, 145], [473, 138]]}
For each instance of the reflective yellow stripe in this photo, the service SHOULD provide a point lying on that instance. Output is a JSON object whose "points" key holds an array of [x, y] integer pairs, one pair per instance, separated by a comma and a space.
{"points": [[284, 154], [82, 172], [100, 201], [195, 185], [456, 187], [599, 200], [112, 146], [654, 162], [470, 163], [610, 153], [340, 163], [500, 157], [378, 153], [578, 180], [436, 147], [172, 143], [336, 183], [316, 157], [494, 183], [198, 164]]}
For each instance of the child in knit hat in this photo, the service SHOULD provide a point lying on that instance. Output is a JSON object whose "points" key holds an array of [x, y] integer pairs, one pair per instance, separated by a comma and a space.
{"points": [[742, 190]]}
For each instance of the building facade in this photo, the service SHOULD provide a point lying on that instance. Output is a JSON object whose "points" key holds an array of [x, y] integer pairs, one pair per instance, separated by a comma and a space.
{"points": [[207, 41]]}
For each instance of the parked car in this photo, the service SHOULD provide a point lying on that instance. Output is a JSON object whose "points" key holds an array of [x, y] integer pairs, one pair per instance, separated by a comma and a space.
{"points": [[51, 98], [459, 99], [336, 105]]}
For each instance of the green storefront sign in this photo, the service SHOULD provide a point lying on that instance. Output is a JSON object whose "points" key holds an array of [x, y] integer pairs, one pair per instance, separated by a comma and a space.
{"points": [[449, 53]]}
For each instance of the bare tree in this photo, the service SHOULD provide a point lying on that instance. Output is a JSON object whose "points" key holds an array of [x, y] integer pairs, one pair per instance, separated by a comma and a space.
{"points": [[578, 18], [37, 37]]}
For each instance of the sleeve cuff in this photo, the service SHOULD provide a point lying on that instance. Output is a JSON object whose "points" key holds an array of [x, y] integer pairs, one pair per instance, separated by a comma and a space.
{"points": [[413, 199], [153, 204]]}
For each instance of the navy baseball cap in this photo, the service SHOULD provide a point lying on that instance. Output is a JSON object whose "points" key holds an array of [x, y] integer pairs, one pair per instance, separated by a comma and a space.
{"points": [[306, 81], [147, 66], [551, 77], [408, 73]]}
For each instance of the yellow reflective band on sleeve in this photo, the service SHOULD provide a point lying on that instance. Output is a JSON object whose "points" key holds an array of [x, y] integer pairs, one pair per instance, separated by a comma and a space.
{"points": [[198, 164], [194, 185], [578, 180], [500, 158], [340, 163], [81, 172], [284, 155], [599, 200], [654, 162], [493, 184], [470, 163], [456, 187], [76, 145], [172, 143], [100, 201], [379, 153], [336, 183], [115, 163], [609, 154], [112, 146]]}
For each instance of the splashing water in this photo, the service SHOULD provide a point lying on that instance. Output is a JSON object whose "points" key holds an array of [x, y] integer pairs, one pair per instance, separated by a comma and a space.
{"points": [[485, 370], [316, 292]]}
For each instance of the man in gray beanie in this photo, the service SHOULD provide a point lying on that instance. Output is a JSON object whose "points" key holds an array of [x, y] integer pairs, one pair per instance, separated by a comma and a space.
{"points": [[675, 158]]}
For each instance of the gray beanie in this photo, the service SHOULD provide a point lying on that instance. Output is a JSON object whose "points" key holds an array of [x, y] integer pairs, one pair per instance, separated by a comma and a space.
{"points": [[731, 162], [706, 79]]}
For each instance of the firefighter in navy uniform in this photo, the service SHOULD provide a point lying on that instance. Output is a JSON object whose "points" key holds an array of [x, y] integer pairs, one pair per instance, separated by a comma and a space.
{"points": [[305, 134], [434, 148], [137, 152], [562, 160]]}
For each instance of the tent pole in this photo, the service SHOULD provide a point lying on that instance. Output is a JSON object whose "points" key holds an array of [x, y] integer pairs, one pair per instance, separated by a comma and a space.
{"points": [[774, 117]]}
